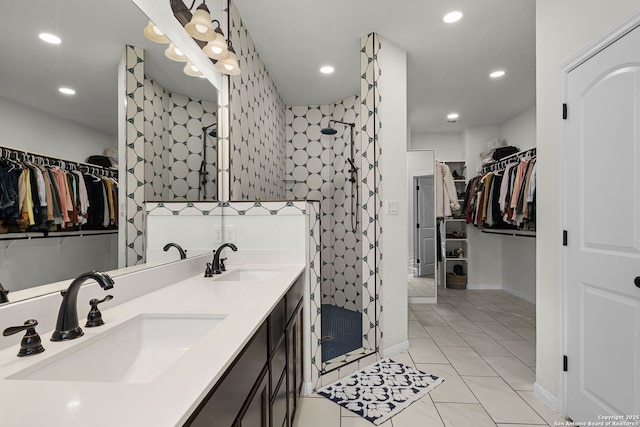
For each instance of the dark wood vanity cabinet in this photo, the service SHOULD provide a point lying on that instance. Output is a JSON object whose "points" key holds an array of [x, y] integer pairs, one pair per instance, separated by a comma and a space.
{"points": [[262, 386]]}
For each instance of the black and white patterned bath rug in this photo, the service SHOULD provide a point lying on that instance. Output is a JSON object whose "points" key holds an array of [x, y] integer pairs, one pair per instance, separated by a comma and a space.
{"points": [[381, 390]]}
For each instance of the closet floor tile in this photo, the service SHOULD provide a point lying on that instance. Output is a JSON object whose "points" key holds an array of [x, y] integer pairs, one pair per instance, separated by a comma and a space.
{"points": [[483, 344], [498, 331], [523, 350]]}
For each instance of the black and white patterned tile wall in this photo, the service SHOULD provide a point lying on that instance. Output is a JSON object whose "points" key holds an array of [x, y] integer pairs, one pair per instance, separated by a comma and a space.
{"points": [[317, 169], [174, 145], [257, 140], [134, 185]]}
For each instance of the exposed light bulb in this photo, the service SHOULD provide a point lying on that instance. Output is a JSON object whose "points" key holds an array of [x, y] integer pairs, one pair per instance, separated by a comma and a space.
{"points": [[201, 28], [452, 17], [50, 38]]}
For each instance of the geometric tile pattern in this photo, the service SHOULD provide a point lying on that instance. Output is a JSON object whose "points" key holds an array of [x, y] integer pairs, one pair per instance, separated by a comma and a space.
{"points": [[315, 291], [237, 208], [257, 139], [371, 181], [134, 157], [317, 169], [173, 145]]}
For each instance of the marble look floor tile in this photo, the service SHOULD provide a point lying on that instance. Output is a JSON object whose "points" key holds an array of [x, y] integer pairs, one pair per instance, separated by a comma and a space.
{"points": [[520, 425], [475, 315], [445, 336], [447, 310], [403, 357], [314, 412], [467, 362], [529, 334], [360, 422], [416, 330], [421, 307], [518, 311], [464, 415], [523, 350], [498, 331], [462, 324], [412, 316], [453, 389], [430, 318], [421, 413], [501, 402], [518, 375], [426, 351], [541, 408], [483, 344]]}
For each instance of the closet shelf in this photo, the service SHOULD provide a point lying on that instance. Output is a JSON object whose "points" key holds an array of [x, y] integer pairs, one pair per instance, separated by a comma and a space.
{"points": [[456, 259], [515, 233], [41, 235]]}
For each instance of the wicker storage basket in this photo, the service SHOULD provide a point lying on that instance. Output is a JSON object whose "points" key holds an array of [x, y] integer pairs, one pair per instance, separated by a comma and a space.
{"points": [[456, 281]]}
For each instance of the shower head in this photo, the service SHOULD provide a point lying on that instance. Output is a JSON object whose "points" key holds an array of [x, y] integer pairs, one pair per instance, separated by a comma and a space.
{"points": [[328, 131]]}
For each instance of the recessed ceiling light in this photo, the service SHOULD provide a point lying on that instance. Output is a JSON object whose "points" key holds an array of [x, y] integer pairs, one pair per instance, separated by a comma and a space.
{"points": [[452, 17], [49, 38], [327, 69], [453, 116], [67, 91], [496, 74]]}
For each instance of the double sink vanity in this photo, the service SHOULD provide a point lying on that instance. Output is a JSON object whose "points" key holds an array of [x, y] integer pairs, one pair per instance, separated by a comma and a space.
{"points": [[201, 351]]}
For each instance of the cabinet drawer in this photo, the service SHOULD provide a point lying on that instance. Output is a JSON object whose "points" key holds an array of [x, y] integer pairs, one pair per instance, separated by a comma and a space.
{"points": [[222, 405], [278, 364], [279, 404], [277, 323], [294, 295]]}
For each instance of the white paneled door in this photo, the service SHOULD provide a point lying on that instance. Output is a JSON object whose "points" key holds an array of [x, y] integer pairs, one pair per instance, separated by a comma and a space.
{"points": [[602, 191], [425, 218]]}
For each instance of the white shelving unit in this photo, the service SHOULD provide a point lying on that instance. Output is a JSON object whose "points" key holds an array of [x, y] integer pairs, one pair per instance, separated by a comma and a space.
{"points": [[456, 243]]}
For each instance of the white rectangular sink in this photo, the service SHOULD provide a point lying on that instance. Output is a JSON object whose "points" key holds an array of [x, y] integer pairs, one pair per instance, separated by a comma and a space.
{"points": [[247, 275], [135, 352]]}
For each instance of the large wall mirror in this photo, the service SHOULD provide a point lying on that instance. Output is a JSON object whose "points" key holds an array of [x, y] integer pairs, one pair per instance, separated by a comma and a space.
{"points": [[35, 117]]}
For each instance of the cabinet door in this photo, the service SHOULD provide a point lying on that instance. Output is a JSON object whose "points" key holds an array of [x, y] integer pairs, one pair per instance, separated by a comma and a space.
{"points": [[294, 362], [256, 410]]}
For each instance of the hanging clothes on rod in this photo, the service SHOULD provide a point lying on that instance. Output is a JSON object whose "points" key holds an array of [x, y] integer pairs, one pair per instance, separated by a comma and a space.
{"points": [[41, 193], [446, 194], [503, 196]]}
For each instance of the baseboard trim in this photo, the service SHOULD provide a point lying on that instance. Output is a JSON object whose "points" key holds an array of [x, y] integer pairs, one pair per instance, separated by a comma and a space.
{"points": [[546, 396], [307, 388], [519, 294], [481, 286], [396, 349]]}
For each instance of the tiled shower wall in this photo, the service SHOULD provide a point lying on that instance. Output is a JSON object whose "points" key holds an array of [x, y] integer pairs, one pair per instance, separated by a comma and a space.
{"points": [[173, 145], [257, 140], [317, 169]]}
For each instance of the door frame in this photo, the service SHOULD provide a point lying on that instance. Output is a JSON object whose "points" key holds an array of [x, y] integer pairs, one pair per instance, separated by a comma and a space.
{"points": [[412, 180], [592, 49], [416, 219]]}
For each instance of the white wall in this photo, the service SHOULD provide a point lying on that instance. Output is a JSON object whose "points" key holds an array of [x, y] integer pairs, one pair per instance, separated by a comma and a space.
{"points": [[28, 129], [393, 136], [559, 36], [519, 253], [485, 250], [448, 145]]}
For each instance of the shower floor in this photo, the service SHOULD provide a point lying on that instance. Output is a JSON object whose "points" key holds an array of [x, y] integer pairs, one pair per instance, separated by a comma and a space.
{"points": [[341, 331]]}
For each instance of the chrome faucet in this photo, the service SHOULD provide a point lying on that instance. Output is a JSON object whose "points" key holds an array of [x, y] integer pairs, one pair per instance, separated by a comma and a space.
{"points": [[183, 253], [218, 265], [67, 327]]}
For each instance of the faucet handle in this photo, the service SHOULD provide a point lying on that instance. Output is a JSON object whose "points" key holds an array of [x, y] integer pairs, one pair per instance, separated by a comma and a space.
{"points": [[208, 272], [222, 267], [94, 318], [31, 343]]}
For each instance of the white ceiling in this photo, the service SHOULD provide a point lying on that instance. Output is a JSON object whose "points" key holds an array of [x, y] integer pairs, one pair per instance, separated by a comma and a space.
{"points": [[448, 64], [93, 34]]}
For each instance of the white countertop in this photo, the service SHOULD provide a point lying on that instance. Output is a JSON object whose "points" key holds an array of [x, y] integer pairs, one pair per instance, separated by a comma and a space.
{"points": [[169, 399]]}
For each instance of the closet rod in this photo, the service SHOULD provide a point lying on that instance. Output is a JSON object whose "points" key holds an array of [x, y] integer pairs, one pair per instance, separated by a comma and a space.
{"points": [[15, 154], [502, 163]]}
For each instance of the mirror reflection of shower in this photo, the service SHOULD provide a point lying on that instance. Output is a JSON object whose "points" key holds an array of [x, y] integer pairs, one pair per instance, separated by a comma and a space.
{"points": [[353, 171], [203, 164]]}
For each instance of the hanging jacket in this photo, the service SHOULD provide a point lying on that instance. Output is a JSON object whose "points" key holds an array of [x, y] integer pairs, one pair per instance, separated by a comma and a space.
{"points": [[446, 194]]}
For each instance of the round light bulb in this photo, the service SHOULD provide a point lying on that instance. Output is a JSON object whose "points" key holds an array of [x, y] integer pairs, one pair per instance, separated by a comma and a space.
{"points": [[327, 69], [453, 116], [452, 17], [496, 74], [50, 38], [67, 91]]}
